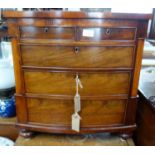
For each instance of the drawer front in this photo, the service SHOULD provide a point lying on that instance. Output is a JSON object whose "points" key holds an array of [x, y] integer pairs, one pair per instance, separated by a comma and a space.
{"points": [[48, 32], [58, 112], [99, 34], [81, 34], [63, 83], [74, 57]]}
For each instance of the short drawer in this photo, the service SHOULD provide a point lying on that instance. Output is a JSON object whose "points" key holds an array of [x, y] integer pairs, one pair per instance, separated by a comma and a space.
{"points": [[47, 32], [80, 33], [63, 83], [99, 34], [77, 57], [93, 113]]}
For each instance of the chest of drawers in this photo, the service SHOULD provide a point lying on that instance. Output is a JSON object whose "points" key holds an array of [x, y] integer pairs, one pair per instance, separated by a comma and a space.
{"points": [[50, 49]]}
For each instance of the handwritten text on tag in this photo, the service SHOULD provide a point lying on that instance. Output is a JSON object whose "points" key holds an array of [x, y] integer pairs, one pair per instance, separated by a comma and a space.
{"points": [[88, 33]]}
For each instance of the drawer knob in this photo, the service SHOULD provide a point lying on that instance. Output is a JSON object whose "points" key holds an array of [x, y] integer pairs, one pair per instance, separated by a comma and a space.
{"points": [[107, 32], [77, 49]]}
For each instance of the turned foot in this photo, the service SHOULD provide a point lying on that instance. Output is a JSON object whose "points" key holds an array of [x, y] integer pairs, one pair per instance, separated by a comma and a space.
{"points": [[125, 136], [26, 134]]}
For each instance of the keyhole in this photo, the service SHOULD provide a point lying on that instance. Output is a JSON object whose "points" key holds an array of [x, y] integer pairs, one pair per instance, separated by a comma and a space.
{"points": [[77, 49], [108, 31], [46, 29]]}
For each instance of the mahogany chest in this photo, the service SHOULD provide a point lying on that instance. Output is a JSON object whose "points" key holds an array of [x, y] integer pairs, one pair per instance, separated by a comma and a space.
{"points": [[102, 51]]}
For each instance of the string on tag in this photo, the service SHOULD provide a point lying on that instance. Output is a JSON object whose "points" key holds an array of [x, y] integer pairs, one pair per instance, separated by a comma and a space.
{"points": [[77, 100], [77, 106]]}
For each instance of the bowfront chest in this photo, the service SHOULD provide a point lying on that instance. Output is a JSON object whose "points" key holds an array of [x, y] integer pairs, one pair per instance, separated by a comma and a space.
{"points": [[76, 72]]}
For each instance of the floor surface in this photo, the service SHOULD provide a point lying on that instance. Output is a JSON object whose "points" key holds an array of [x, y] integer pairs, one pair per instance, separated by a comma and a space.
{"points": [[73, 140]]}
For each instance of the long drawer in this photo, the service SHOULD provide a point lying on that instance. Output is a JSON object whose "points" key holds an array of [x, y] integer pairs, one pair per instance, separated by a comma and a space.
{"points": [[77, 57], [63, 83], [78, 33], [58, 112]]}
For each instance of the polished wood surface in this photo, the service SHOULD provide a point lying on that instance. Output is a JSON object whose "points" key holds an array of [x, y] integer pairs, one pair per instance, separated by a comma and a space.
{"points": [[47, 32], [41, 42], [70, 57], [17, 68], [20, 105], [131, 111], [8, 129], [94, 84], [73, 15], [83, 23], [108, 34], [139, 55], [99, 34], [71, 97], [50, 48], [93, 113]]}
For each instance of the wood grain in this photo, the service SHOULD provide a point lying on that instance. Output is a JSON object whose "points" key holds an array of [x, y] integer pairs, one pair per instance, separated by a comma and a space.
{"points": [[50, 48], [74, 15], [131, 108], [107, 34], [83, 130], [57, 42], [71, 97], [139, 55], [21, 109], [17, 66], [13, 30], [86, 57], [9, 131], [94, 84], [42, 22], [48, 32], [58, 112]]}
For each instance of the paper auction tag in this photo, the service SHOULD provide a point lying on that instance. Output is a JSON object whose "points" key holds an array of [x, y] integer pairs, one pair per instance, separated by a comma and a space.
{"points": [[77, 103], [88, 33], [76, 122]]}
